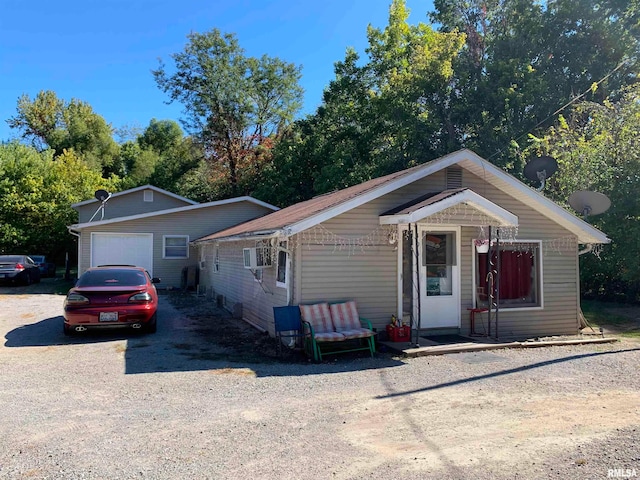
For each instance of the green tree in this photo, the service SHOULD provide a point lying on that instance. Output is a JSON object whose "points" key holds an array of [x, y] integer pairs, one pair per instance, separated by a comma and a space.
{"points": [[524, 59], [49, 122], [36, 193], [375, 118], [597, 148], [233, 103]]}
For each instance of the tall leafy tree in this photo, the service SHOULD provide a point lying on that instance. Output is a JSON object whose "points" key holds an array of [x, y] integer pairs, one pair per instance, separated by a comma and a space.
{"points": [[49, 122], [177, 155], [36, 193], [376, 117], [598, 148], [232, 102], [524, 60]]}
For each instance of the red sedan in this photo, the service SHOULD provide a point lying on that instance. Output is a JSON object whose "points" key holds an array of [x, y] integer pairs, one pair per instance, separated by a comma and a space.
{"points": [[112, 296]]}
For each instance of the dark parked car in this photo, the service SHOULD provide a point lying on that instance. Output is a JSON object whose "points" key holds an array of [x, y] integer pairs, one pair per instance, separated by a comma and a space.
{"points": [[112, 296], [47, 269], [18, 269]]}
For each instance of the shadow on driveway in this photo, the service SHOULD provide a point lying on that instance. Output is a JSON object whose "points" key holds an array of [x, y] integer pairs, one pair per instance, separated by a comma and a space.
{"points": [[214, 341]]}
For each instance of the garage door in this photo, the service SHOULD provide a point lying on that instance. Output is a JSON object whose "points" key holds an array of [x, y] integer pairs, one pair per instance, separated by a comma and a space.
{"points": [[122, 249]]}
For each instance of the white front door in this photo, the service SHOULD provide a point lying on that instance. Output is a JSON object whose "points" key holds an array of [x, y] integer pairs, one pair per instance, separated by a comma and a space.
{"points": [[439, 270]]}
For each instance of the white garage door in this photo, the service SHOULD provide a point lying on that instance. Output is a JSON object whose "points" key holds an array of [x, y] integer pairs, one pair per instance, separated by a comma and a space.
{"points": [[122, 249]]}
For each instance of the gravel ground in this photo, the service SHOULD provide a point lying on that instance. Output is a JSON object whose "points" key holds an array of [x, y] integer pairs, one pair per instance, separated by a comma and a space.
{"points": [[180, 404]]}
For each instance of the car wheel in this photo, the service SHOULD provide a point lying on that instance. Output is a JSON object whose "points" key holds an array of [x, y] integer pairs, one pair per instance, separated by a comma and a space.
{"points": [[27, 279], [152, 326]]}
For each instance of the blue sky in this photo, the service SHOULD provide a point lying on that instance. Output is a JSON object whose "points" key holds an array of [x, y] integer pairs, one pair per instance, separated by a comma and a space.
{"points": [[103, 52]]}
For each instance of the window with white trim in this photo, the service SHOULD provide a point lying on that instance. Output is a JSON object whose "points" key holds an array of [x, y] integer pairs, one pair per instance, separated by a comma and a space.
{"points": [[281, 272], [148, 196], [519, 268], [175, 246]]}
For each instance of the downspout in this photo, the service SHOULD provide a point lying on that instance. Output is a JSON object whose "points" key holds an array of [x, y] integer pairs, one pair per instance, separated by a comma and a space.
{"points": [[497, 278], [581, 320], [489, 282], [288, 269], [67, 267]]}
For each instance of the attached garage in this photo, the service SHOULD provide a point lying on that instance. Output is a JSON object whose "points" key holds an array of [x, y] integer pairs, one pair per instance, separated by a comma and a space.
{"points": [[143, 226], [122, 249]]}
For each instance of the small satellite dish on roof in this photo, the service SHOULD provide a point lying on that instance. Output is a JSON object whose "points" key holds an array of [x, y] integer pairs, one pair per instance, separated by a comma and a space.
{"points": [[589, 203], [540, 168], [102, 195]]}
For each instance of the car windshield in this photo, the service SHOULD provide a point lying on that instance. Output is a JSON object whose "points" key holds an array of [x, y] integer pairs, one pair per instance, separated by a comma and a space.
{"points": [[111, 278], [11, 259], [37, 258]]}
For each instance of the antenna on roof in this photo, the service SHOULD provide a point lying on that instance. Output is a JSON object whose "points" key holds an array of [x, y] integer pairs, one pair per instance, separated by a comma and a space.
{"points": [[539, 169], [589, 203], [102, 196]]}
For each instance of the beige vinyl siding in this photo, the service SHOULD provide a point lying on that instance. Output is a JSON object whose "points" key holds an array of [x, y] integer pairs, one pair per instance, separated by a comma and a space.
{"points": [[368, 275], [559, 270], [238, 285], [195, 223], [129, 204]]}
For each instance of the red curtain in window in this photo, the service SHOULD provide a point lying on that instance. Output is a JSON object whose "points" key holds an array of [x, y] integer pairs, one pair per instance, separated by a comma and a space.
{"points": [[515, 273]]}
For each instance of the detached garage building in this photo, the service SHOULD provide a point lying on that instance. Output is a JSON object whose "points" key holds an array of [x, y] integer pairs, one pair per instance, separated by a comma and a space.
{"points": [[152, 228]]}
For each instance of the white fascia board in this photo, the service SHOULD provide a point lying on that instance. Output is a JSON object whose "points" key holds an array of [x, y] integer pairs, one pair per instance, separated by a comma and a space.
{"points": [[429, 168], [252, 200], [137, 189], [172, 210], [585, 232], [504, 217]]}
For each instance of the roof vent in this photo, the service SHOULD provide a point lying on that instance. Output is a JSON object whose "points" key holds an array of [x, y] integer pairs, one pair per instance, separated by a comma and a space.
{"points": [[453, 177]]}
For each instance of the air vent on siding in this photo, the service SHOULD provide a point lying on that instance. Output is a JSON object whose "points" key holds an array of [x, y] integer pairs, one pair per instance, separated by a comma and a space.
{"points": [[453, 177]]}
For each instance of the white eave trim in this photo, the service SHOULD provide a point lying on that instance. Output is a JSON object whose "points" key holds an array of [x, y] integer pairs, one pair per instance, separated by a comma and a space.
{"points": [[476, 165], [503, 217], [429, 168], [188, 208], [137, 189], [243, 237], [536, 200]]}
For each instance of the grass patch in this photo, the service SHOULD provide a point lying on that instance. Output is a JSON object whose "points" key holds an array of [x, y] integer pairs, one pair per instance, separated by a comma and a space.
{"points": [[619, 319], [599, 314]]}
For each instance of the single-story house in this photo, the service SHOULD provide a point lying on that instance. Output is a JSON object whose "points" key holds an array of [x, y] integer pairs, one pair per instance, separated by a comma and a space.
{"points": [[405, 245], [153, 228]]}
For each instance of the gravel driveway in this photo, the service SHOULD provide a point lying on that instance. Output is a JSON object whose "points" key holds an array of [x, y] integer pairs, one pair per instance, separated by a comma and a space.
{"points": [[178, 405]]}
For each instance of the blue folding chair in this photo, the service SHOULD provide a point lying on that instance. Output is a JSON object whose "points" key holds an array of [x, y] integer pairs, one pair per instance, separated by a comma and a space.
{"points": [[287, 324]]}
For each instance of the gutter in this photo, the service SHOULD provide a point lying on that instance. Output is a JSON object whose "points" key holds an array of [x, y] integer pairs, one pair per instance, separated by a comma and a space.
{"points": [[251, 236]]}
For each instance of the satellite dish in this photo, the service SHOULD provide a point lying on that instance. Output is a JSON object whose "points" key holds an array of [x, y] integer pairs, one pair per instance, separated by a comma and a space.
{"points": [[102, 195], [589, 203], [540, 168]]}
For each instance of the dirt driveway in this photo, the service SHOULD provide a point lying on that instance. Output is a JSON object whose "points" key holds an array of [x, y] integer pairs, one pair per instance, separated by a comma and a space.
{"points": [[188, 403]]}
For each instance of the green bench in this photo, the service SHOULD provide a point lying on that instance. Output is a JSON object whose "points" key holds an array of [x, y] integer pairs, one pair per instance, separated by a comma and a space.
{"points": [[335, 328]]}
